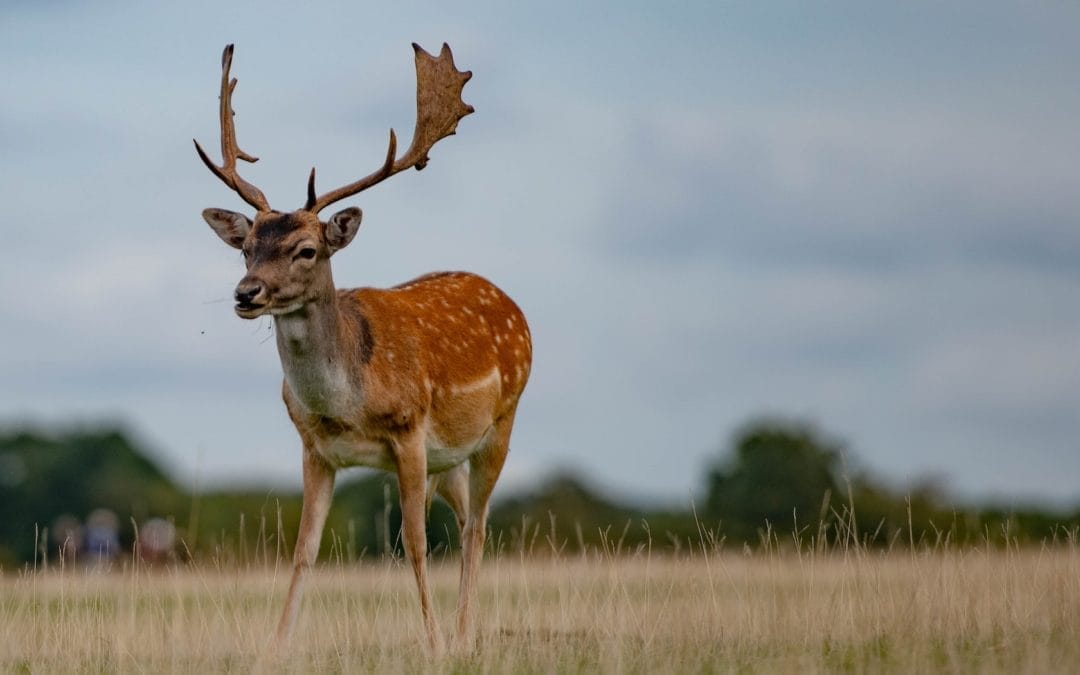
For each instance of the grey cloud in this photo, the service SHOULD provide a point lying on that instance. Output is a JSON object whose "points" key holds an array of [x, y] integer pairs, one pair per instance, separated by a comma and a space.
{"points": [[734, 202], [703, 220]]}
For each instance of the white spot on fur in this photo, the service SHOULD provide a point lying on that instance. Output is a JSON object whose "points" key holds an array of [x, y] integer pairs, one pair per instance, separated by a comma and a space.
{"points": [[492, 378]]}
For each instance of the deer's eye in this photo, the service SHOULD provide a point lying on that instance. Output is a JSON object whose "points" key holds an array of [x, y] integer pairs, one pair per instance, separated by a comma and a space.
{"points": [[307, 253]]}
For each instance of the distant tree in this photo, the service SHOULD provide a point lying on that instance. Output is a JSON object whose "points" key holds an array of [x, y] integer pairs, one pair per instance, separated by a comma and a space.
{"points": [[44, 477], [775, 472], [563, 512], [365, 520]]}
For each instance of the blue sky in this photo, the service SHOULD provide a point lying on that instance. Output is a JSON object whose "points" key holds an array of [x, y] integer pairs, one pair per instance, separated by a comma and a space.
{"points": [[848, 213]]}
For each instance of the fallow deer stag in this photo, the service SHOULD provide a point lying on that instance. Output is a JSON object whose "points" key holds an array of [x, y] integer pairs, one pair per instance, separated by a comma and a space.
{"points": [[422, 378]]}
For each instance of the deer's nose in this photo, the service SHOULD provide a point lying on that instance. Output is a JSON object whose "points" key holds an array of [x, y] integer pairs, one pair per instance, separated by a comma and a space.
{"points": [[247, 291]]}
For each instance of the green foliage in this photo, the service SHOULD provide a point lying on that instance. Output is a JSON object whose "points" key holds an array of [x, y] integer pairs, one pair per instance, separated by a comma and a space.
{"points": [[365, 520], [561, 512], [564, 514], [781, 475], [261, 526], [777, 472], [776, 475], [241, 526], [43, 477]]}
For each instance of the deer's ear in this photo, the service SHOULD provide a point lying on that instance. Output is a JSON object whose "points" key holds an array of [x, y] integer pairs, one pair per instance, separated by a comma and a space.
{"points": [[342, 227], [231, 226]]}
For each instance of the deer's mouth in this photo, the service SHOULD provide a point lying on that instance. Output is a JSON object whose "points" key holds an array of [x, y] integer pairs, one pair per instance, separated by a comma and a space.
{"points": [[249, 310]]}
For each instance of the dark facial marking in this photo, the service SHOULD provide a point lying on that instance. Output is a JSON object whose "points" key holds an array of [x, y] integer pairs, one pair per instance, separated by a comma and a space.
{"points": [[269, 234], [277, 227]]}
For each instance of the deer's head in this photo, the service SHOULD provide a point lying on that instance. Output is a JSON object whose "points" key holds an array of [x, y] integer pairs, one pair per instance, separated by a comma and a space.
{"points": [[288, 254]]}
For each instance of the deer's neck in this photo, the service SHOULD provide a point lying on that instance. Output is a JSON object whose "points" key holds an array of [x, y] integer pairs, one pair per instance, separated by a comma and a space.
{"points": [[309, 342]]}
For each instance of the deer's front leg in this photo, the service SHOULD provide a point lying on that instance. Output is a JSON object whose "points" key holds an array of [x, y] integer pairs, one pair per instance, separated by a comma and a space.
{"points": [[411, 458], [318, 491]]}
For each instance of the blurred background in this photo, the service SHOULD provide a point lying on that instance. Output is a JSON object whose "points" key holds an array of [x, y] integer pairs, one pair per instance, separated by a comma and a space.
{"points": [[837, 240]]}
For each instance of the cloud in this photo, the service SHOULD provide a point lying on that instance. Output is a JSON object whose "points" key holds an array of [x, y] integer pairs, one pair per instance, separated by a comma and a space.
{"points": [[860, 217], [797, 187]]}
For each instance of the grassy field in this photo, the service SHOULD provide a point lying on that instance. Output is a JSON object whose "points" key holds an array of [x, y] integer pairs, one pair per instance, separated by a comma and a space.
{"points": [[1009, 611]]}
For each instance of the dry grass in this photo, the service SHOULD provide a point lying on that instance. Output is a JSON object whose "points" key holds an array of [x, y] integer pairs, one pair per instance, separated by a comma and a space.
{"points": [[973, 611]]}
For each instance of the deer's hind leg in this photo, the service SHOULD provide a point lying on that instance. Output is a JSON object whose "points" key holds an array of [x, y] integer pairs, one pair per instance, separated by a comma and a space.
{"points": [[484, 469], [453, 486]]}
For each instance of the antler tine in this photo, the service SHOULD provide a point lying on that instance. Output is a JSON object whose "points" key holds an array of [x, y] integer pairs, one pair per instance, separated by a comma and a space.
{"points": [[439, 108], [316, 204], [230, 151]]}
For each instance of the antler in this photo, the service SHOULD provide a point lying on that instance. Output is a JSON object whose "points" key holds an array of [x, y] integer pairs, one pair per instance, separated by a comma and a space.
{"points": [[439, 108], [230, 151]]}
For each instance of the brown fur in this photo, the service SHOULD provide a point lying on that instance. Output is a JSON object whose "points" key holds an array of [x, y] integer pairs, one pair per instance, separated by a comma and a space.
{"points": [[421, 378], [427, 337]]}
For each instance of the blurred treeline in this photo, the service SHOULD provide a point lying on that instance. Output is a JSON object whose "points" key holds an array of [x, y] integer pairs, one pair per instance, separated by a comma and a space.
{"points": [[780, 482]]}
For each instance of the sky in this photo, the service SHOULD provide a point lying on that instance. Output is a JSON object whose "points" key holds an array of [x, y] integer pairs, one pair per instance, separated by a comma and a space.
{"points": [[858, 215]]}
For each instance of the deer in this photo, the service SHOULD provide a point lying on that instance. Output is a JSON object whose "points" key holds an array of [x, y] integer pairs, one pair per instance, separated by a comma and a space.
{"points": [[421, 379]]}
